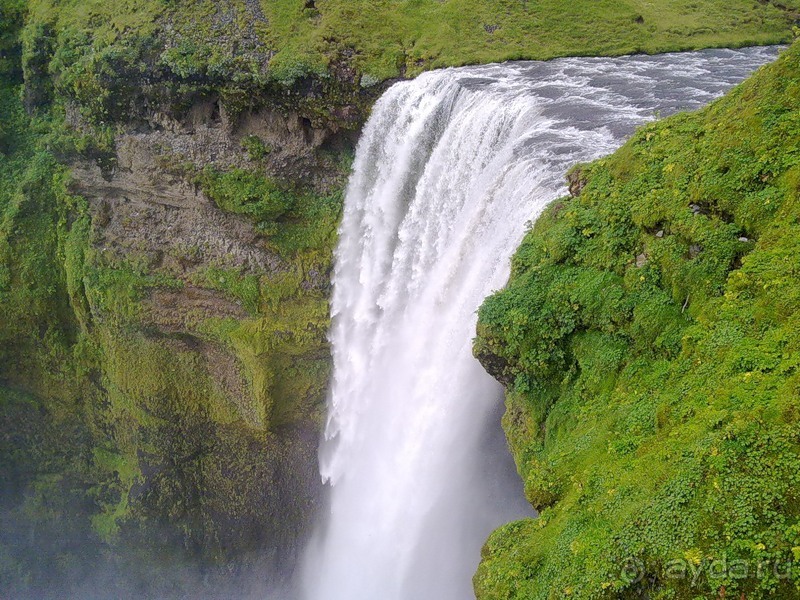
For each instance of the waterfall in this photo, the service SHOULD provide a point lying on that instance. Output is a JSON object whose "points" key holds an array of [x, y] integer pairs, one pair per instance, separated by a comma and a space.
{"points": [[450, 168]]}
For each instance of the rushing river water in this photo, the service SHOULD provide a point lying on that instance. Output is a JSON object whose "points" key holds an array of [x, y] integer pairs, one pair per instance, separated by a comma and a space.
{"points": [[450, 168]]}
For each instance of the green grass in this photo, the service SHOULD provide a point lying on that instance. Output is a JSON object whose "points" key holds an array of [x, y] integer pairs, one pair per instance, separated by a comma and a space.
{"points": [[653, 410], [391, 37], [99, 48]]}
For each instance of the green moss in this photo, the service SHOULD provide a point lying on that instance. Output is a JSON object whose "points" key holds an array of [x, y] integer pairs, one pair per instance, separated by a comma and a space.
{"points": [[243, 287], [283, 349], [151, 416], [651, 409], [246, 192], [255, 147], [12, 13], [123, 472]]}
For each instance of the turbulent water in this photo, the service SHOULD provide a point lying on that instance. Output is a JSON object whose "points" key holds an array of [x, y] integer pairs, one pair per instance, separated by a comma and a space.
{"points": [[450, 168]]}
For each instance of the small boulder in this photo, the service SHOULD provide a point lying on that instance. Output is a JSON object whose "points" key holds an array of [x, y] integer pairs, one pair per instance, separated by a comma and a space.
{"points": [[576, 182]]}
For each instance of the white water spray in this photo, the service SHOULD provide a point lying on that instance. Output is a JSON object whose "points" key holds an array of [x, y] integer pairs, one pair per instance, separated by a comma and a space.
{"points": [[449, 169]]}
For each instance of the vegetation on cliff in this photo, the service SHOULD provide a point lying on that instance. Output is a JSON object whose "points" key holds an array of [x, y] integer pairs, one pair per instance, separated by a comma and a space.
{"points": [[194, 432], [286, 41], [649, 342], [159, 400], [171, 178]]}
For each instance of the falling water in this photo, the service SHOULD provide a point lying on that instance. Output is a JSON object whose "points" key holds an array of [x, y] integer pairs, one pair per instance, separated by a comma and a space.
{"points": [[450, 168]]}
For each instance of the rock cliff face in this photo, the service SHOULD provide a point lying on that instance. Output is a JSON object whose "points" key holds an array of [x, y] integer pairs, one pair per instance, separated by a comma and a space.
{"points": [[245, 484], [169, 406]]}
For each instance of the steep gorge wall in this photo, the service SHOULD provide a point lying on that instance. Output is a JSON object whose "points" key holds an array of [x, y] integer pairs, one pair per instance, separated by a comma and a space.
{"points": [[648, 340], [163, 353]]}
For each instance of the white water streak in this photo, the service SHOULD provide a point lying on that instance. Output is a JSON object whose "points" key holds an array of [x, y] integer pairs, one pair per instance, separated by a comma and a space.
{"points": [[449, 169]]}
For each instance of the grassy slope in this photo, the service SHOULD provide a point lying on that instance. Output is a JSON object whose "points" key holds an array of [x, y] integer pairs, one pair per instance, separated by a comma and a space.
{"points": [[69, 332], [386, 38], [653, 410], [388, 35]]}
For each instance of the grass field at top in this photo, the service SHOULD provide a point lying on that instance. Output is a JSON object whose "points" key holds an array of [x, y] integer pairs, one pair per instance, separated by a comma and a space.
{"points": [[386, 38], [387, 34]]}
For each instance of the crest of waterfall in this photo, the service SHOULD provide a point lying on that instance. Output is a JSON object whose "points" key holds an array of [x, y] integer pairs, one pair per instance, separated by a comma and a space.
{"points": [[450, 168]]}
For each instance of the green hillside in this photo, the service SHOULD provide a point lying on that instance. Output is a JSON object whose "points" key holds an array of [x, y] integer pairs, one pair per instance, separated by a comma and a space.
{"points": [[649, 338], [283, 40], [171, 180]]}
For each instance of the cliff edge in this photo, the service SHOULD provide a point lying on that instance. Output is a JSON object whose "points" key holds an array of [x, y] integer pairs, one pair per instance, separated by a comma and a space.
{"points": [[648, 341]]}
